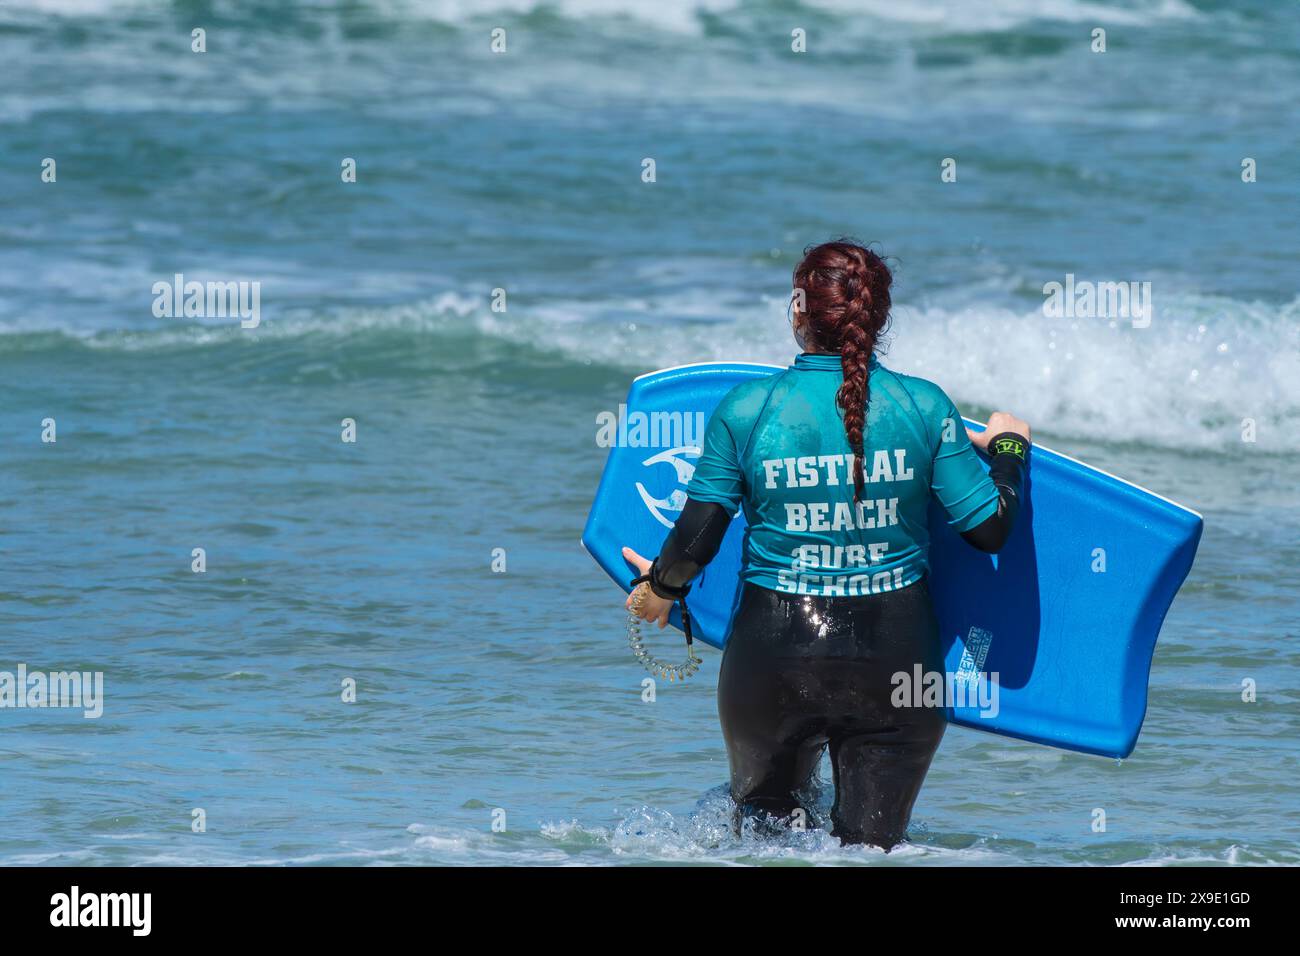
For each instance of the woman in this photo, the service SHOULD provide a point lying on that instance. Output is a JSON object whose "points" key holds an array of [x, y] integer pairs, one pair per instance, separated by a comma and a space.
{"points": [[834, 461]]}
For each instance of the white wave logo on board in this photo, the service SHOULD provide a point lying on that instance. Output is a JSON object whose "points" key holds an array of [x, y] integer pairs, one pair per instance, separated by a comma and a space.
{"points": [[676, 500], [679, 433]]}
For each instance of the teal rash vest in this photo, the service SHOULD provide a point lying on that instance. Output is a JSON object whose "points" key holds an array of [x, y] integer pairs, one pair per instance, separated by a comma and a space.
{"points": [[776, 447]]}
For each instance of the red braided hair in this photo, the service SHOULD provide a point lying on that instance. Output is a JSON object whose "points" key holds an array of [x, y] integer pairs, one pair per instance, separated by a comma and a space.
{"points": [[846, 308]]}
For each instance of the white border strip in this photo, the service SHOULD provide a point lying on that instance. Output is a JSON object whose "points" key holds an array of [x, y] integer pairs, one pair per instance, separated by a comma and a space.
{"points": [[678, 368], [1084, 464]]}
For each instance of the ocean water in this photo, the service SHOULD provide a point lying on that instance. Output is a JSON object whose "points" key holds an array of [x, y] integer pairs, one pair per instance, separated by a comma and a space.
{"points": [[485, 695]]}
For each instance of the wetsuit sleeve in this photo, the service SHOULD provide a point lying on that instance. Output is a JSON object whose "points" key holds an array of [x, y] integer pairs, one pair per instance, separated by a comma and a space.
{"points": [[693, 543], [717, 477], [958, 480], [1007, 471]]}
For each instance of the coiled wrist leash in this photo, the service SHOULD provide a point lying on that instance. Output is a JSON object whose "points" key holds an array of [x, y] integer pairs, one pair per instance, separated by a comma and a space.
{"points": [[636, 640]]}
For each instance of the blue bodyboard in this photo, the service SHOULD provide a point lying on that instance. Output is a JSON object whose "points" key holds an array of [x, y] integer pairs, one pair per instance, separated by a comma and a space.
{"points": [[1066, 614]]}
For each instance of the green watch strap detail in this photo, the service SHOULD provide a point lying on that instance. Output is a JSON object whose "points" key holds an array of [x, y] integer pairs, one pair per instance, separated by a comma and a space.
{"points": [[1008, 445]]}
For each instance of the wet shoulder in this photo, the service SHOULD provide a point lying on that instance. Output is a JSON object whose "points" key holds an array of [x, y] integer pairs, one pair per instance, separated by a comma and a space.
{"points": [[744, 403], [929, 398], [917, 398]]}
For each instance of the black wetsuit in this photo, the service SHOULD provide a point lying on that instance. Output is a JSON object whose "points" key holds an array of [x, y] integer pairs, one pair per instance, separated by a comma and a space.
{"points": [[803, 672]]}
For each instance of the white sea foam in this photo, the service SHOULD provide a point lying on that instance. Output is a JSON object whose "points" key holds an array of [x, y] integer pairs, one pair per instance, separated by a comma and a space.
{"points": [[1189, 381], [611, 53], [1009, 14], [1204, 366], [684, 15]]}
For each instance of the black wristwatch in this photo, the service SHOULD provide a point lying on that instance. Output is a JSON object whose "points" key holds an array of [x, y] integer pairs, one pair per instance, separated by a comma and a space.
{"points": [[1009, 443]]}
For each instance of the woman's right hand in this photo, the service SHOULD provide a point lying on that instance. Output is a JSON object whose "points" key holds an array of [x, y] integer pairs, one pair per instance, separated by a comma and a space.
{"points": [[999, 422]]}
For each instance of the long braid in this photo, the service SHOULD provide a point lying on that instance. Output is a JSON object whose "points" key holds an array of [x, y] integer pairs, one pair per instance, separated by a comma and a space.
{"points": [[846, 287], [855, 360]]}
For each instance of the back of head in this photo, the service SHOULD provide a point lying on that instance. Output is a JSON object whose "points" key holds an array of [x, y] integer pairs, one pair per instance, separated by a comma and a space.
{"points": [[845, 309]]}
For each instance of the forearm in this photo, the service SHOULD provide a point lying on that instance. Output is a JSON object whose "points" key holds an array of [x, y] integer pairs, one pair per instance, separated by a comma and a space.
{"points": [[1007, 469], [691, 544]]}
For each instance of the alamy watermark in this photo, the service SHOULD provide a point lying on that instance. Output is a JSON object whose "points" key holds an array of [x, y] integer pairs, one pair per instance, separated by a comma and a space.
{"points": [[922, 688], [179, 299], [133, 911], [631, 429], [1098, 300], [82, 690]]}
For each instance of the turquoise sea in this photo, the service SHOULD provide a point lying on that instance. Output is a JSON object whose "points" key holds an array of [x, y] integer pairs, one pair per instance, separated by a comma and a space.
{"points": [[484, 695]]}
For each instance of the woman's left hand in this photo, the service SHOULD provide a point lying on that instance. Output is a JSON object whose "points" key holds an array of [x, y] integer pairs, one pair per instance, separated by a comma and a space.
{"points": [[653, 607]]}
